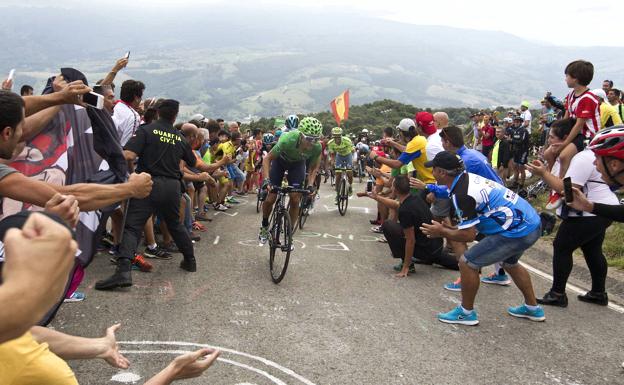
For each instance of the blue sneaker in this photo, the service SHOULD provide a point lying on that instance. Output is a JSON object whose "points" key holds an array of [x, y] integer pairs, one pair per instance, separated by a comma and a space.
{"points": [[457, 316], [497, 279], [454, 286], [76, 296], [523, 312]]}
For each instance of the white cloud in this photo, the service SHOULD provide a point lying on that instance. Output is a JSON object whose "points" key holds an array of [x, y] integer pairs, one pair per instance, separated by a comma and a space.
{"points": [[572, 23]]}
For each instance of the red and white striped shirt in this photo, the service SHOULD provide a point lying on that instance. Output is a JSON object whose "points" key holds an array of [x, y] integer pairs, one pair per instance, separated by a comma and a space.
{"points": [[585, 106]]}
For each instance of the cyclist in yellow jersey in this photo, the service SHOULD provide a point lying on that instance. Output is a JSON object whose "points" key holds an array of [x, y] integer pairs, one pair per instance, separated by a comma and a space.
{"points": [[341, 150]]}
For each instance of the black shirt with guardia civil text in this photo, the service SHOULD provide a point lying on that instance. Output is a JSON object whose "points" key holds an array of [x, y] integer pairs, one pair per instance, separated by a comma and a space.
{"points": [[160, 147]]}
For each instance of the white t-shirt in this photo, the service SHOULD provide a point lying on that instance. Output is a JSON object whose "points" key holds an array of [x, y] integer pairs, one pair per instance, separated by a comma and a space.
{"points": [[583, 173], [434, 145], [127, 120], [526, 115]]}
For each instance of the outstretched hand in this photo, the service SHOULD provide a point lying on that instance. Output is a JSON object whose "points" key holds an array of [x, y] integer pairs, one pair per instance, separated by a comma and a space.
{"points": [[537, 167], [110, 349], [193, 364], [433, 230]]}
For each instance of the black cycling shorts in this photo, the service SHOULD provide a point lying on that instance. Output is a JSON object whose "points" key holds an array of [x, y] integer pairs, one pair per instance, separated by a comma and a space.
{"points": [[296, 172]]}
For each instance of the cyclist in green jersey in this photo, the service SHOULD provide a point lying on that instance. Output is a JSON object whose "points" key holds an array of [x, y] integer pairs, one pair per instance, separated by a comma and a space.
{"points": [[291, 153], [341, 150]]}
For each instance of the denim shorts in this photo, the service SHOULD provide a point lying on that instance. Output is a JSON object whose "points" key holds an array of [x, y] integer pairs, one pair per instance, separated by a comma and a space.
{"points": [[344, 161], [235, 173], [497, 248]]}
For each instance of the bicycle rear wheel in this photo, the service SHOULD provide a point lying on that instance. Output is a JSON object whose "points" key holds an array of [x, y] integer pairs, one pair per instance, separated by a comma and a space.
{"points": [[343, 198], [280, 246]]}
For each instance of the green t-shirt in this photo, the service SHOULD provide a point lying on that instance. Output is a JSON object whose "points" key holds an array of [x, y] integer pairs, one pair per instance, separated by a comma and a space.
{"points": [[207, 158], [344, 148], [288, 148]]}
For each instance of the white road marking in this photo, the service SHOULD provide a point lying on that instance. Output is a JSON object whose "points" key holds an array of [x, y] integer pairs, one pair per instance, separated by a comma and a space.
{"points": [[216, 241], [125, 377], [246, 355], [225, 213], [569, 286]]}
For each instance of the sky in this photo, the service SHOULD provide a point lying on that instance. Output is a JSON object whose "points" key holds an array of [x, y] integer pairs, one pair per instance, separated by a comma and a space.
{"points": [[567, 23]]}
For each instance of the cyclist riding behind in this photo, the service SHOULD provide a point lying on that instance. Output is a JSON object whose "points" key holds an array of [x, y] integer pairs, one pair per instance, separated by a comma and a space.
{"points": [[290, 154], [341, 150], [292, 122]]}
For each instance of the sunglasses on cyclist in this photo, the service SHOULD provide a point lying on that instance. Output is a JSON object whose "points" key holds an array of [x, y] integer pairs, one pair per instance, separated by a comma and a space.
{"points": [[310, 139]]}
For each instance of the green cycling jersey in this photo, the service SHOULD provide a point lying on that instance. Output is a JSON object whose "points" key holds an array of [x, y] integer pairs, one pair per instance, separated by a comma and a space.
{"points": [[289, 148], [344, 148]]}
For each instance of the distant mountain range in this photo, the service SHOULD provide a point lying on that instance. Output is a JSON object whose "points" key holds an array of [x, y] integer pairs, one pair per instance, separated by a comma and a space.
{"points": [[236, 63]]}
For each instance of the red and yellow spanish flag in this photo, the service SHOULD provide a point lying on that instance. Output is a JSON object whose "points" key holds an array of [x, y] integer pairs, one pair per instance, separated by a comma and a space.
{"points": [[340, 107]]}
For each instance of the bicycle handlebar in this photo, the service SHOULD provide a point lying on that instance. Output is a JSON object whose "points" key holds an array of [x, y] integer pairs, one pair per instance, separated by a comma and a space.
{"points": [[289, 189]]}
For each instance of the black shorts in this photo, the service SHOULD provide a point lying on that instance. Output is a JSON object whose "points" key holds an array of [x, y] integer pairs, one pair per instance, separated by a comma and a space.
{"points": [[521, 157], [579, 142], [296, 172], [198, 185]]}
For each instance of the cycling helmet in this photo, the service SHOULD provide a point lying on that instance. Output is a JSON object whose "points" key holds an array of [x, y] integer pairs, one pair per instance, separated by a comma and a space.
{"points": [[292, 122], [365, 131], [310, 126], [278, 133], [268, 138], [609, 142], [336, 131]]}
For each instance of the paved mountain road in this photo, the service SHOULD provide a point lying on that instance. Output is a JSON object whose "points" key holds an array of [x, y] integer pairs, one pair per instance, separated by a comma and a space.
{"points": [[338, 317]]}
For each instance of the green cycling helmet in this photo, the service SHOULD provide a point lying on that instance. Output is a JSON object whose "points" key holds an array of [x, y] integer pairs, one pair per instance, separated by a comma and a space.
{"points": [[336, 131], [310, 126]]}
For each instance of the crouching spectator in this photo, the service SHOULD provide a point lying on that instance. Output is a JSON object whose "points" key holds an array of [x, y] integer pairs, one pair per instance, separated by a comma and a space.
{"points": [[405, 239]]}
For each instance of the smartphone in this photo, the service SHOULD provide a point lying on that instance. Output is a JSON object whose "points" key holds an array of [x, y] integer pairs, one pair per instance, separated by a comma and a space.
{"points": [[127, 55], [94, 100], [567, 189], [11, 74], [369, 186]]}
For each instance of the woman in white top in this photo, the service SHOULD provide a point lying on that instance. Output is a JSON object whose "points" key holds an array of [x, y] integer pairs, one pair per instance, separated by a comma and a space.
{"points": [[577, 229]]}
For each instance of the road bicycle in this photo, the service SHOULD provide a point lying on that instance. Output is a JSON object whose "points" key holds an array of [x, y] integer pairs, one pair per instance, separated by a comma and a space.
{"points": [[343, 191], [281, 232]]}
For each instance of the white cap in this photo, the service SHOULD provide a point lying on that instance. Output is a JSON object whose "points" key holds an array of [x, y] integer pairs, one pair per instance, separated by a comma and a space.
{"points": [[405, 124], [600, 93], [197, 117]]}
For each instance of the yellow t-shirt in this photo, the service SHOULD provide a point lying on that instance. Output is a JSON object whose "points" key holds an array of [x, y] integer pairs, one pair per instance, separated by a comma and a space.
{"points": [[225, 148], [24, 361], [608, 111], [415, 152]]}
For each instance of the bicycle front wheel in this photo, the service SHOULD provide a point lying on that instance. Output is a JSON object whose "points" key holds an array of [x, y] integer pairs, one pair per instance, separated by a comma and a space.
{"points": [[343, 199], [281, 233]]}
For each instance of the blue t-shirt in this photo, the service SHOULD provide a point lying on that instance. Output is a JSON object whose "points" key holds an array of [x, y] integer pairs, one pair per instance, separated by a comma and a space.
{"points": [[476, 163], [491, 207]]}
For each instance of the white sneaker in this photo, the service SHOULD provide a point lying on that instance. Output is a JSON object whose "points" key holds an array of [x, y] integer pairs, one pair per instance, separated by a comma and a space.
{"points": [[221, 208]]}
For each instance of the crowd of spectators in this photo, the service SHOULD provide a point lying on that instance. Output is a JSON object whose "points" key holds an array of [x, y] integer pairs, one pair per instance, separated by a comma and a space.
{"points": [[156, 177]]}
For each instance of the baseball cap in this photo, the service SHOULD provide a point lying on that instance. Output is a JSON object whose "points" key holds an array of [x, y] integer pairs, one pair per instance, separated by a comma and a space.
{"points": [[425, 120], [446, 160], [518, 117], [600, 93], [525, 104], [405, 124], [197, 117]]}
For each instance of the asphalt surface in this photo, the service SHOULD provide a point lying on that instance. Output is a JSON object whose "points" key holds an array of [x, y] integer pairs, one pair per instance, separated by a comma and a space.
{"points": [[338, 317]]}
